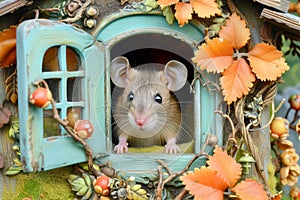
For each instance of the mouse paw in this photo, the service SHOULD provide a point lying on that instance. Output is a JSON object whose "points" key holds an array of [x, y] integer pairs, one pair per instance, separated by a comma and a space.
{"points": [[171, 147], [121, 148]]}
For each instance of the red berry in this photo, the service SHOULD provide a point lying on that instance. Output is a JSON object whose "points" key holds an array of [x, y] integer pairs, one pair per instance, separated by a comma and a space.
{"points": [[41, 97], [294, 101], [84, 128], [101, 185]]}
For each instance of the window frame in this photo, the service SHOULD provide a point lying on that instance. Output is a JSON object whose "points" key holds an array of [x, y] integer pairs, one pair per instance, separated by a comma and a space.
{"points": [[39, 153], [110, 32]]}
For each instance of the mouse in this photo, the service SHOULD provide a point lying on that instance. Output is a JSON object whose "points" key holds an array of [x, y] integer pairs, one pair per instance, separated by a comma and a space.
{"points": [[146, 112]]}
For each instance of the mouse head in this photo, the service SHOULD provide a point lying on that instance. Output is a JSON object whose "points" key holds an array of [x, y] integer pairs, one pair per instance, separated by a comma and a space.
{"points": [[146, 96], [174, 73]]}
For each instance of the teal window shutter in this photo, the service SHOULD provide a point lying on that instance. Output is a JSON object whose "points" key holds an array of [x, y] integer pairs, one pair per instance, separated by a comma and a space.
{"points": [[38, 150]]}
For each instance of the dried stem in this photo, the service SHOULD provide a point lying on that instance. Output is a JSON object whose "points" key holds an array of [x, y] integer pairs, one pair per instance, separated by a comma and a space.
{"points": [[88, 150], [158, 193], [181, 194], [172, 175], [64, 124], [232, 135]]}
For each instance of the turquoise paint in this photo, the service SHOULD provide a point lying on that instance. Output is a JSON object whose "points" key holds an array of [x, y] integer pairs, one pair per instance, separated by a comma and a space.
{"points": [[145, 23], [34, 37]]}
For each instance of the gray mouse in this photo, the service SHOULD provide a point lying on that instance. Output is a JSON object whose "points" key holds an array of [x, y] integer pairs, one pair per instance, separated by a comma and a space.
{"points": [[146, 112]]}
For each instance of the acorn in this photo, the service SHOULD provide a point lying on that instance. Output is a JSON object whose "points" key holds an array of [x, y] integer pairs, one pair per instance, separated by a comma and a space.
{"points": [[92, 11], [73, 115], [279, 128], [41, 97], [101, 185], [84, 128], [89, 22]]}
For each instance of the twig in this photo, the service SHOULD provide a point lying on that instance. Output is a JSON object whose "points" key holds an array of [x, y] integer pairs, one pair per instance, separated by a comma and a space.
{"points": [[181, 194], [158, 193], [232, 136], [163, 164], [64, 124], [172, 175], [88, 150]]}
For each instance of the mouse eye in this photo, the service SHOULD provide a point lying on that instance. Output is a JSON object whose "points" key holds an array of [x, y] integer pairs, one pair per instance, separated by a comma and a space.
{"points": [[130, 97], [158, 98]]}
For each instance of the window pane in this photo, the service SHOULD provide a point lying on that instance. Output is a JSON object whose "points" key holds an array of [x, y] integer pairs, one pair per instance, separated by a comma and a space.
{"points": [[51, 126], [73, 60], [54, 86], [74, 89], [50, 60]]}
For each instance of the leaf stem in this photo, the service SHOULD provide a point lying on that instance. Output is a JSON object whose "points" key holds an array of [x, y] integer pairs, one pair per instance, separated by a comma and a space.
{"points": [[239, 55]]}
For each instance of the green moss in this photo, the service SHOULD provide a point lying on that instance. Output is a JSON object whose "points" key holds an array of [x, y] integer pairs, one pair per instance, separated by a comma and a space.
{"points": [[51, 184], [184, 147], [272, 181]]}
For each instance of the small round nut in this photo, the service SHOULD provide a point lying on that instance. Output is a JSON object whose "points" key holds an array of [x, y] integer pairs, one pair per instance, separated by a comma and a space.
{"points": [[92, 11], [89, 22]]}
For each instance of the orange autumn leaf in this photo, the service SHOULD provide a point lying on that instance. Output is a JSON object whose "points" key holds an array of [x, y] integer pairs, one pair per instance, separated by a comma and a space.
{"points": [[250, 190], [205, 8], [236, 31], [225, 165], [8, 33], [205, 184], [8, 47], [7, 53], [183, 12], [267, 62], [165, 3], [237, 80], [214, 56]]}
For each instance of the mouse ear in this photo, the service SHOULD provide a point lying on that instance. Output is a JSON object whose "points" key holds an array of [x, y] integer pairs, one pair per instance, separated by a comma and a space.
{"points": [[176, 74], [119, 68]]}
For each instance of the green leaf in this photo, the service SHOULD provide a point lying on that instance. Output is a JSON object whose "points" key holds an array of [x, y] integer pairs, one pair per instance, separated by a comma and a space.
{"points": [[168, 13], [13, 170], [150, 5]]}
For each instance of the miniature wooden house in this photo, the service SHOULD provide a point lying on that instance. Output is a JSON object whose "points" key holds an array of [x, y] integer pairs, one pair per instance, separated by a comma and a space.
{"points": [[121, 34], [75, 63]]}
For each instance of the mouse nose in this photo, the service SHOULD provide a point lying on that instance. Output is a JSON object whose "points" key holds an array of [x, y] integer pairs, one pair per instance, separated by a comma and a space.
{"points": [[140, 121]]}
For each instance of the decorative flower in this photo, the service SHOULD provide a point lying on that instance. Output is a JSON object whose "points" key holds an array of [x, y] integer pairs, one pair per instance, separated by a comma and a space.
{"points": [[289, 157], [72, 6], [289, 175]]}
